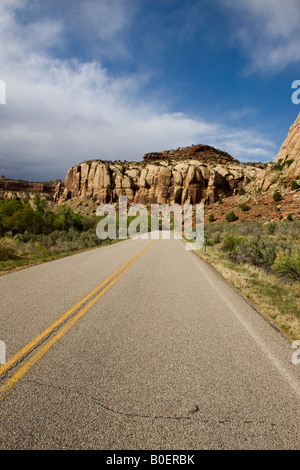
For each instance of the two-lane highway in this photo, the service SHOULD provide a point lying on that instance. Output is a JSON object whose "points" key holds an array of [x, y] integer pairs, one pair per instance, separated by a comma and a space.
{"points": [[140, 345]]}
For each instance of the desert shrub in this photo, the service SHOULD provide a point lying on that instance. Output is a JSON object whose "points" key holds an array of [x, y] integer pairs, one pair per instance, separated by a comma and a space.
{"points": [[271, 228], [258, 252], [244, 207], [230, 243], [253, 229], [288, 266], [241, 192], [211, 218], [290, 218], [277, 196], [278, 166], [231, 217], [294, 185], [214, 239], [7, 252], [214, 228]]}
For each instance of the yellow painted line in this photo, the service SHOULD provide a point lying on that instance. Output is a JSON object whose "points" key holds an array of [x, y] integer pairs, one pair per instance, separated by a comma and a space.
{"points": [[34, 343], [14, 379]]}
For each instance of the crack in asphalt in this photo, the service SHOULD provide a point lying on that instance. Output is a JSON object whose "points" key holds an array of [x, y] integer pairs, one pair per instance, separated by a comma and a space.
{"points": [[189, 416], [118, 412]]}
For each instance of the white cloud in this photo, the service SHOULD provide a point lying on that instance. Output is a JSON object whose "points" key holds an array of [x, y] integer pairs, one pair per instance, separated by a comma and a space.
{"points": [[103, 26], [60, 112], [107, 18], [268, 30], [248, 145]]}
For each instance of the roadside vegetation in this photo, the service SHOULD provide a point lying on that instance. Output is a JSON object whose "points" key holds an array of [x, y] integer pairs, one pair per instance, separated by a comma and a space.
{"points": [[31, 234], [262, 260]]}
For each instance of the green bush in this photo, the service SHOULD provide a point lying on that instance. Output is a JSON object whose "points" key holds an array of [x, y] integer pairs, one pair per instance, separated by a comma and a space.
{"points": [[242, 192], [244, 207], [277, 197], [294, 185], [230, 243], [231, 217], [215, 239], [278, 166], [7, 253], [211, 218], [288, 266], [258, 252]]}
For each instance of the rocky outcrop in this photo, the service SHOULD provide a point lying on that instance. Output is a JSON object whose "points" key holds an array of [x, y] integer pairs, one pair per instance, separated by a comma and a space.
{"points": [[203, 153], [286, 166], [20, 189], [168, 177], [289, 154]]}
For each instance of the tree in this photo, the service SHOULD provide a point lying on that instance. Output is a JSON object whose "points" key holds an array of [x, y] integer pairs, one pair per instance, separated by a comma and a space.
{"points": [[40, 204], [66, 216]]}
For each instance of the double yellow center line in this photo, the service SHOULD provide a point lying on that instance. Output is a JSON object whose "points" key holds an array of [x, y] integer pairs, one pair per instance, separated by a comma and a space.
{"points": [[45, 340]]}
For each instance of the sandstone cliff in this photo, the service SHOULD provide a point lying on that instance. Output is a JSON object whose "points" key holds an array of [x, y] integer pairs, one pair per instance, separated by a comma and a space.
{"points": [[20, 189], [282, 175], [289, 154], [286, 166], [167, 177]]}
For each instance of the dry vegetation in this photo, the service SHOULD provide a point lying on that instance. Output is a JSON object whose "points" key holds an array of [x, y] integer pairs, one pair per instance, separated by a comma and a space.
{"points": [[262, 260]]}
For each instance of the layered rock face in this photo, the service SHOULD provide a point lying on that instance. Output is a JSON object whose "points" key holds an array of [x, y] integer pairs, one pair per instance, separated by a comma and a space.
{"points": [[19, 189], [167, 177], [286, 166], [290, 151]]}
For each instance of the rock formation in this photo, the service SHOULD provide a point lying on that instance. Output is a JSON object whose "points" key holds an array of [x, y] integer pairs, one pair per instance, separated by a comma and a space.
{"points": [[187, 175], [289, 154], [286, 166], [20, 189], [203, 153]]}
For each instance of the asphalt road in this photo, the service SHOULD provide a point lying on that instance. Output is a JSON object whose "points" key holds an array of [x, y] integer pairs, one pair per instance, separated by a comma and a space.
{"points": [[164, 355]]}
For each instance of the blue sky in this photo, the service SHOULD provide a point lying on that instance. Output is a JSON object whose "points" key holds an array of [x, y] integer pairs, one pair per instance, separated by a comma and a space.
{"points": [[115, 79]]}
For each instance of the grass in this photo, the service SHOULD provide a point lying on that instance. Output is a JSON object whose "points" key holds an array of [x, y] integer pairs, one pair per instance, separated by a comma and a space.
{"points": [[262, 261]]}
